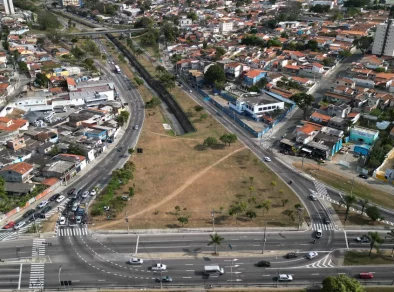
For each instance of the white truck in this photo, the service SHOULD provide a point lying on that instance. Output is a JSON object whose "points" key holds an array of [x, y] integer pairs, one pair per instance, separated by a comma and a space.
{"points": [[215, 269], [159, 267]]}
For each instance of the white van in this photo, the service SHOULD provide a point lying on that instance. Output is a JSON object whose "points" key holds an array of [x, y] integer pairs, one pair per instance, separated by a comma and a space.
{"points": [[209, 270]]}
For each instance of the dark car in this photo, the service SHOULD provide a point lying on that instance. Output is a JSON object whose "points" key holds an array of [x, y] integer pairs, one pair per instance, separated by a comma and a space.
{"points": [[326, 220], [28, 213], [46, 209], [164, 279], [70, 192], [54, 197], [364, 176], [291, 255], [263, 264]]}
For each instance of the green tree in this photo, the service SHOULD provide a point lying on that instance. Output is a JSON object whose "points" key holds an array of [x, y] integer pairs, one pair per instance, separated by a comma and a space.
{"points": [[303, 101], [341, 283], [328, 61], [375, 239], [285, 202], [75, 149], [216, 240], [273, 184], [139, 81], [345, 53], [390, 235], [236, 209], [215, 73], [144, 22], [251, 214], [41, 80], [131, 192], [228, 138], [312, 45], [183, 220], [177, 210], [160, 69], [23, 67], [47, 20], [363, 43], [265, 205], [192, 15], [380, 69], [348, 201], [364, 203], [373, 212], [131, 151], [122, 118], [154, 102], [210, 142], [219, 52]]}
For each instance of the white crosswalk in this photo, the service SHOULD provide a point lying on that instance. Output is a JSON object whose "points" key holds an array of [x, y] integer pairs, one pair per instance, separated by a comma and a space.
{"points": [[320, 187], [37, 270], [316, 226], [77, 231], [325, 262]]}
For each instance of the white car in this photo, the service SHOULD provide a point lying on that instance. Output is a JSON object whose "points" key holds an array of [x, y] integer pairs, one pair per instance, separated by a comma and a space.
{"points": [[267, 159], [42, 204], [85, 194], [19, 225], [313, 197], [62, 220], [136, 261], [311, 255], [159, 267], [61, 198], [284, 277], [93, 193]]}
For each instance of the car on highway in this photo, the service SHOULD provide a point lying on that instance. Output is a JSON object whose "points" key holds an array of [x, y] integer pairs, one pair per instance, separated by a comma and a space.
{"points": [[285, 278], [135, 261], [54, 197], [267, 159], [70, 192], [42, 204], [46, 209], [61, 198], [291, 255], [263, 264], [166, 279], [319, 233], [159, 267], [136, 127], [28, 213], [367, 275], [93, 192], [362, 239], [85, 194], [78, 219], [313, 197], [9, 225], [62, 220], [364, 176], [19, 225], [311, 255], [326, 220]]}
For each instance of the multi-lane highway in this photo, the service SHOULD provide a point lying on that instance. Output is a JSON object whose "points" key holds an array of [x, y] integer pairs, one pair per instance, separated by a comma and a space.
{"points": [[96, 260]]}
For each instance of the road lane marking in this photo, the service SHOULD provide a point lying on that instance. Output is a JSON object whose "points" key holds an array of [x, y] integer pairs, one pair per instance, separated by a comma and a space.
{"points": [[20, 277], [266, 275], [317, 274], [189, 270], [347, 242], [188, 264], [187, 277]]}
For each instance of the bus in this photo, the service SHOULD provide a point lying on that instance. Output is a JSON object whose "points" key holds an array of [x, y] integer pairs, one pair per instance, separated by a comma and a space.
{"points": [[117, 69]]}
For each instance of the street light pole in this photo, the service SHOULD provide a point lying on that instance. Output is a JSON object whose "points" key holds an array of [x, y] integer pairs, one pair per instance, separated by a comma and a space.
{"points": [[265, 237], [213, 220], [60, 269], [127, 221]]}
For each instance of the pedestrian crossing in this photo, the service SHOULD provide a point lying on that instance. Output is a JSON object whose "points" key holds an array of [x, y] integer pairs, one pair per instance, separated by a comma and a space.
{"points": [[37, 270], [325, 262], [77, 231], [320, 187], [319, 226]]}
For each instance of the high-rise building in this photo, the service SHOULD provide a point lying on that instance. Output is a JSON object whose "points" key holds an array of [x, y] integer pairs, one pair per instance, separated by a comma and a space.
{"points": [[383, 43], [9, 7]]}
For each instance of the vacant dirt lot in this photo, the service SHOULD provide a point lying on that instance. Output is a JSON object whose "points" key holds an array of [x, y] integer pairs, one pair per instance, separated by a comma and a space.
{"points": [[177, 171]]}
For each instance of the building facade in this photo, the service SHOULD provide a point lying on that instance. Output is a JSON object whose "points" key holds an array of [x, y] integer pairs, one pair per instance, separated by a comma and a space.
{"points": [[383, 43]]}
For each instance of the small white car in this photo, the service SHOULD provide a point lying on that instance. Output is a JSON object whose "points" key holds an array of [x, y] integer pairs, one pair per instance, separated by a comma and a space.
{"points": [[85, 194], [159, 267], [62, 220], [313, 197], [267, 159], [136, 261], [42, 204], [78, 219], [19, 225], [61, 198], [284, 277], [311, 255], [93, 192], [319, 233]]}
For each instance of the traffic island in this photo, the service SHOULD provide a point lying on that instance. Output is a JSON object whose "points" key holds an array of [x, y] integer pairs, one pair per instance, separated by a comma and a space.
{"points": [[362, 258]]}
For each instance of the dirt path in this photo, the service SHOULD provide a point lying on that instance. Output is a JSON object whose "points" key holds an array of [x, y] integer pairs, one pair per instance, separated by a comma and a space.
{"points": [[176, 192], [172, 137]]}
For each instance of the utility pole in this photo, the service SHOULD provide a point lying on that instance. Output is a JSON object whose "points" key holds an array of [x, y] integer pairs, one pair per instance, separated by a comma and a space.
{"points": [[265, 237], [213, 220], [127, 221]]}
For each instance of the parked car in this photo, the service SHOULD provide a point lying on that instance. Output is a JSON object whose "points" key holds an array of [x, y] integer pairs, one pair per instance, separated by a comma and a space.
{"points": [[62, 220], [362, 239], [85, 194], [54, 197], [263, 264], [285, 278], [28, 213], [291, 255], [19, 225], [46, 209], [311, 255], [70, 192], [42, 204], [166, 279], [366, 275], [267, 159], [78, 219], [135, 261], [93, 192], [364, 176], [61, 198], [9, 225]]}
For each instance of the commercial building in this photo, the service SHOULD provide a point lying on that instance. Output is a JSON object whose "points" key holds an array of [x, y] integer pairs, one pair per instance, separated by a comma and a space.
{"points": [[363, 135], [8, 7], [76, 3], [383, 43]]}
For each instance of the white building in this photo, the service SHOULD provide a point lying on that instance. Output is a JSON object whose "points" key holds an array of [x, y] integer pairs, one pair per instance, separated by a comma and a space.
{"points": [[225, 27], [329, 3], [185, 22], [8, 7], [383, 43], [256, 105]]}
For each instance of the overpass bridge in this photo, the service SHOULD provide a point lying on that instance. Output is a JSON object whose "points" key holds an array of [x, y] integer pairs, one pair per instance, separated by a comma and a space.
{"points": [[102, 31]]}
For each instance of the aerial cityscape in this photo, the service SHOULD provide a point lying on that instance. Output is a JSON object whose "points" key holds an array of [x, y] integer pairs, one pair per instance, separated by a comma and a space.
{"points": [[182, 145]]}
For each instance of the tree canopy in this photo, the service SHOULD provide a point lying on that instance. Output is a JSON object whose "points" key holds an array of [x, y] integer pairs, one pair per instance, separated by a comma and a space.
{"points": [[47, 20], [215, 73], [363, 43], [303, 101], [341, 283]]}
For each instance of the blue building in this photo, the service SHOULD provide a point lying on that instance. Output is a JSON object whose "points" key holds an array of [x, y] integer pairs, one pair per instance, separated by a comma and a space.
{"points": [[253, 76], [362, 135], [96, 134]]}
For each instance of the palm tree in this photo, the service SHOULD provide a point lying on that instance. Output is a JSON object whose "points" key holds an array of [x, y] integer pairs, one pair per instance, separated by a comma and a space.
{"points": [[375, 239], [216, 240], [364, 203], [391, 236], [348, 200]]}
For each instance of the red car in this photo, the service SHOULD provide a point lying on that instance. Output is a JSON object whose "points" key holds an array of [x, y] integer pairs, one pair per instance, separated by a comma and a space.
{"points": [[366, 275], [9, 225]]}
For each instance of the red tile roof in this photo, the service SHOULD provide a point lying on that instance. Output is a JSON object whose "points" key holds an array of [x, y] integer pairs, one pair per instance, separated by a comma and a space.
{"points": [[20, 167]]}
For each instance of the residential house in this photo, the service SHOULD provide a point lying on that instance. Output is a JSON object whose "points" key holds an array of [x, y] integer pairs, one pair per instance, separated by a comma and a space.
{"points": [[253, 76], [17, 172]]}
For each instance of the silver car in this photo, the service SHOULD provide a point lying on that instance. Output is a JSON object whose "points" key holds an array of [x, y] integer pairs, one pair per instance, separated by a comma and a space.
{"points": [[136, 261]]}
